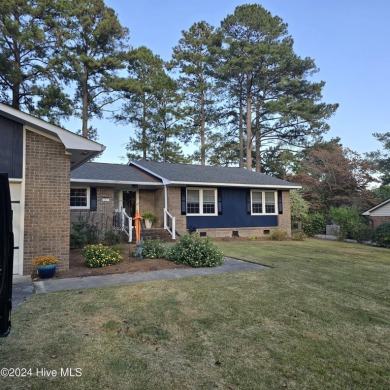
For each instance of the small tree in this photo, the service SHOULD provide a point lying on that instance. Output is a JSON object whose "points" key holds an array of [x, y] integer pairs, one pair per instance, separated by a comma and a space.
{"points": [[299, 208], [314, 224]]}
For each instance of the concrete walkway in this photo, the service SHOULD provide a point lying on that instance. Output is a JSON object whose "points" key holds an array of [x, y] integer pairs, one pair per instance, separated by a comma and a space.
{"points": [[229, 265], [23, 286]]}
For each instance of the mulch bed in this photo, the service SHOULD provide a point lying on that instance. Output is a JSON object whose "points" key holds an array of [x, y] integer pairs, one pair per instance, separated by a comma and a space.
{"points": [[78, 269]]}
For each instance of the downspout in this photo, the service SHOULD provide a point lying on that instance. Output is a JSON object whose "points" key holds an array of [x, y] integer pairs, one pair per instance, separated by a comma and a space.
{"points": [[165, 203], [165, 197]]}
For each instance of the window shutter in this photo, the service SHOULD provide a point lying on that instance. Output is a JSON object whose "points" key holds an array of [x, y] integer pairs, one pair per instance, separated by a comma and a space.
{"points": [[280, 202], [93, 199], [248, 202], [219, 202], [183, 201]]}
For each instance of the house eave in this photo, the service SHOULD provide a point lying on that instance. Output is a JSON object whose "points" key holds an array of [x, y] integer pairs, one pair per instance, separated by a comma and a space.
{"points": [[246, 185], [368, 212], [115, 182], [81, 149]]}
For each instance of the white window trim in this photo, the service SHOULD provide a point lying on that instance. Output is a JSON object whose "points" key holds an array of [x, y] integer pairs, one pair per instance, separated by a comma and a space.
{"points": [[87, 207], [201, 202], [263, 202]]}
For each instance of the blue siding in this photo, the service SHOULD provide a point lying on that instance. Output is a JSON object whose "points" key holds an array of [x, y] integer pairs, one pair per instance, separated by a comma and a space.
{"points": [[11, 148], [234, 213]]}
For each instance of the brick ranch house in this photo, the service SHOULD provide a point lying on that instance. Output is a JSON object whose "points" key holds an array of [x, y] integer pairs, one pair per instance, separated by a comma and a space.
{"points": [[379, 214], [210, 200], [38, 158], [52, 183]]}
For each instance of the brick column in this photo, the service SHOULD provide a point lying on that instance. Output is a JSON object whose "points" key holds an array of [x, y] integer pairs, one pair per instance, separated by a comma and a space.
{"points": [[47, 214]]}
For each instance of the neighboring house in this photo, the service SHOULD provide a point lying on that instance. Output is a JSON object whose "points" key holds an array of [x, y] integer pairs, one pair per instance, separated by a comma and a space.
{"points": [[38, 158], [379, 214], [213, 201]]}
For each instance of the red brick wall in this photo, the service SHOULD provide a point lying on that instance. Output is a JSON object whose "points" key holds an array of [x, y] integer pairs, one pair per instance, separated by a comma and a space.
{"points": [[376, 220], [102, 217], [47, 216]]}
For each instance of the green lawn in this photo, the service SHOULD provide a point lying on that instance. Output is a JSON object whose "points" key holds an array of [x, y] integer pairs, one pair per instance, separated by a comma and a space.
{"points": [[318, 319]]}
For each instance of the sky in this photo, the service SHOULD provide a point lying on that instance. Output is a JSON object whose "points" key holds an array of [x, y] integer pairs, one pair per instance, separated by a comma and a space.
{"points": [[348, 39]]}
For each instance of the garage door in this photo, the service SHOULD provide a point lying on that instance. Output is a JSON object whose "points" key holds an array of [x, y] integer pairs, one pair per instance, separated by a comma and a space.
{"points": [[17, 228]]}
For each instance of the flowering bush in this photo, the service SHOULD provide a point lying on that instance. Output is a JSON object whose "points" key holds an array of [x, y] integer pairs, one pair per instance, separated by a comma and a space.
{"points": [[196, 252], [100, 256], [45, 260], [153, 249]]}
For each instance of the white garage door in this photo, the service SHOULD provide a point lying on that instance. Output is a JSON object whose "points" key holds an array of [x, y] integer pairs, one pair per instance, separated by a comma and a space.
{"points": [[17, 228]]}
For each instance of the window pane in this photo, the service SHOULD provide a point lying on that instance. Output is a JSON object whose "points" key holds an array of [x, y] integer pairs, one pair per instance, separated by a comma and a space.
{"points": [[78, 197], [208, 201], [193, 202], [208, 196], [257, 202], [269, 202], [193, 196]]}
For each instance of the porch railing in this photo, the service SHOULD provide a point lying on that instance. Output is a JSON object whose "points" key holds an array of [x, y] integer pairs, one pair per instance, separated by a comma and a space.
{"points": [[170, 224], [123, 222]]}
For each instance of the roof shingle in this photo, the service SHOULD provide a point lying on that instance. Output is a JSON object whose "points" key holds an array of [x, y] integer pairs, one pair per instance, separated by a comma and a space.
{"points": [[185, 173]]}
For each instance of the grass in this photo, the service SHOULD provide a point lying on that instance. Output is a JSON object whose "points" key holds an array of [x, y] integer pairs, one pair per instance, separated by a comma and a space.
{"points": [[318, 319]]}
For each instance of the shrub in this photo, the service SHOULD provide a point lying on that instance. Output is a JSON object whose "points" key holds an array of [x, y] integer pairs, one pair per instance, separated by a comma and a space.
{"points": [[78, 237], [100, 256], [381, 235], [298, 236], [363, 233], [83, 233], [278, 235], [350, 223], [153, 249], [196, 252], [314, 224], [111, 237]]}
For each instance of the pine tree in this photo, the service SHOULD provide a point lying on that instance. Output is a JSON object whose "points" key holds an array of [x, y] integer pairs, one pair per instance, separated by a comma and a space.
{"points": [[193, 58], [91, 54], [29, 41], [281, 105], [152, 106]]}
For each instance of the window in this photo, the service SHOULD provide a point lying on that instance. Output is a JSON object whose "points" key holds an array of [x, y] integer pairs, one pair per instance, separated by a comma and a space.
{"points": [[193, 202], [201, 201], [79, 198], [263, 202]]}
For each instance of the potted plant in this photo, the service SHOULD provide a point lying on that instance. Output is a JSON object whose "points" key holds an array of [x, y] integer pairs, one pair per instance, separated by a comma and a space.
{"points": [[46, 266], [149, 219]]}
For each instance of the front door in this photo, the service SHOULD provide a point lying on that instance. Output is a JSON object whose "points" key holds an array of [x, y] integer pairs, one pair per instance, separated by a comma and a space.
{"points": [[129, 202]]}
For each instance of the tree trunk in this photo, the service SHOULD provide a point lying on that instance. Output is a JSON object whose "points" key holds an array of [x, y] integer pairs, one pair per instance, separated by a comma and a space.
{"points": [[144, 127], [241, 133], [202, 131], [16, 85], [84, 92], [258, 140], [258, 145], [248, 126]]}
